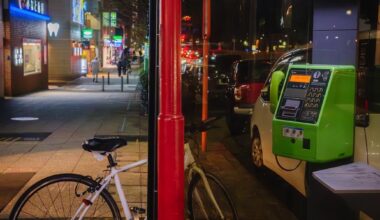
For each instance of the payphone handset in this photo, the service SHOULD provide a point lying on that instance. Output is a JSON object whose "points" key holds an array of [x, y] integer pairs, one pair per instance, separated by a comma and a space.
{"points": [[314, 118]]}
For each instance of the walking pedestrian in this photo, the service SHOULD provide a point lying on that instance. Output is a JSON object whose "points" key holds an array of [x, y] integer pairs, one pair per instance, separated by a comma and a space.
{"points": [[95, 69], [124, 61], [141, 56]]}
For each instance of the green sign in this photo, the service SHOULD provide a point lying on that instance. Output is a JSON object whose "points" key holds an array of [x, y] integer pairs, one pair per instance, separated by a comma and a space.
{"points": [[106, 19], [87, 33], [113, 19], [117, 38], [109, 19]]}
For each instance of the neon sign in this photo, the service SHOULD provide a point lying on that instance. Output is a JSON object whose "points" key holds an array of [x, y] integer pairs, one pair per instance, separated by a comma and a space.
{"points": [[113, 19], [53, 29], [87, 33], [32, 5], [109, 19], [18, 57], [106, 19], [28, 13], [117, 38], [77, 11]]}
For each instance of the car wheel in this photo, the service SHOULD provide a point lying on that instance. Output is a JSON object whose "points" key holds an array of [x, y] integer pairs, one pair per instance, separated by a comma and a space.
{"points": [[257, 152]]}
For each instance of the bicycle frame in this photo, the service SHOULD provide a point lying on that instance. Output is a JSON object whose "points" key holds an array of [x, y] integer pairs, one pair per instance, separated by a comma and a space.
{"points": [[202, 174], [191, 164], [104, 183]]}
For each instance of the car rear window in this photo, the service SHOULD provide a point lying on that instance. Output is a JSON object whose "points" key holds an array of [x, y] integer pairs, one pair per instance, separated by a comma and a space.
{"points": [[252, 71]]}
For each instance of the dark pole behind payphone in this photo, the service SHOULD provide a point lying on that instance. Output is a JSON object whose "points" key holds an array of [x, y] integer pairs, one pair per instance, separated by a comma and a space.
{"points": [[347, 29], [152, 110]]}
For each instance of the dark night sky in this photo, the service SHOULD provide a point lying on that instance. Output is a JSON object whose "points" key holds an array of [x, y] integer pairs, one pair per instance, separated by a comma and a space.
{"points": [[224, 17]]}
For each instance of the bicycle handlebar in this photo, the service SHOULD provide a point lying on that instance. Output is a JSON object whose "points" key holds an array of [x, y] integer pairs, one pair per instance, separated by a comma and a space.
{"points": [[202, 126]]}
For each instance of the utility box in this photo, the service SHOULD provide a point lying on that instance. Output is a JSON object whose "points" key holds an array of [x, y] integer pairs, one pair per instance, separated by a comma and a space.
{"points": [[314, 119]]}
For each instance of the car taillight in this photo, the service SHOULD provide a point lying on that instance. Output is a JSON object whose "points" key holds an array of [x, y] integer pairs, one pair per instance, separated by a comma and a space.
{"points": [[237, 93]]}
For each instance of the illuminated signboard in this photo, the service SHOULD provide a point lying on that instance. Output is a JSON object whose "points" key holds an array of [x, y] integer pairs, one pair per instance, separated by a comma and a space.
{"points": [[32, 5], [106, 19], [18, 57], [32, 56], [113, 19], [87, 33], [109, 19], [77, 11], [117, 38], [53, 29]]}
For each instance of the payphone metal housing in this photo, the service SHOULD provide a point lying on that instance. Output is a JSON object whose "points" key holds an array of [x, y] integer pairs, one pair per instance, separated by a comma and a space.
{"points": [[314, 119]]}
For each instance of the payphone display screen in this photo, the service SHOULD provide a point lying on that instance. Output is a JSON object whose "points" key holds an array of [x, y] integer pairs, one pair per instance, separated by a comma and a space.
{"points": [[303, 95]]}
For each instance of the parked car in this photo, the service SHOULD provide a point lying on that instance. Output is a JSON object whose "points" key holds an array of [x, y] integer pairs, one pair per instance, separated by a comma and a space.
{"points": [[366, 141], [244, 88], [219, 72]]}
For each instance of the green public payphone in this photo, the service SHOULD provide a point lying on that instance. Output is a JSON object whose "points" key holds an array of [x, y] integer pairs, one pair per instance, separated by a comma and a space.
{"points": [[314, 118]]}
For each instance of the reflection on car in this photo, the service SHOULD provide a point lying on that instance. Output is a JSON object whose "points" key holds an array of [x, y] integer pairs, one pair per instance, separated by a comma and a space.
{"points": [[248, 80], [219, 74]]}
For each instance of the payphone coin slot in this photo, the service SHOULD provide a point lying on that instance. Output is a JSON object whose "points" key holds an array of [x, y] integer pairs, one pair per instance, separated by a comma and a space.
{"points": [[306, 144], [289, 114]]}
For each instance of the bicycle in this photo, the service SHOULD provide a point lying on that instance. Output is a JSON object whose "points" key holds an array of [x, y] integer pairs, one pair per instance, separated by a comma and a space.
{"points": [[207, 198], [45, 199], [74, 196]]}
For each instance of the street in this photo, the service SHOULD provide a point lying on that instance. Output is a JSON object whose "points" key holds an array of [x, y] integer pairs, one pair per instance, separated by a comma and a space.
{"points": [[69, 116]]}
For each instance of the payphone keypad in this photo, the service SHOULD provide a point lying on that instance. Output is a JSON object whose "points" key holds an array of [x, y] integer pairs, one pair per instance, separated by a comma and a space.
{"points": [[303, 95]]}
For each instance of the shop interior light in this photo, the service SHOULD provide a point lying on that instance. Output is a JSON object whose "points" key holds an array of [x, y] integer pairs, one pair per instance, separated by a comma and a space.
{"points": [[27, 13]]}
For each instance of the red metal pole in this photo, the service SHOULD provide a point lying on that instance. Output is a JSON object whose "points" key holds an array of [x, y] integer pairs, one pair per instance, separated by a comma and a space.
{"points": [[170, 119], [206, 36]]}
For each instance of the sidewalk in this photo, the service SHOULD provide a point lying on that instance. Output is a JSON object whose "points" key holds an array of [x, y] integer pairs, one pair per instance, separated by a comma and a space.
{"points": [[111, 82], [69, 115]]}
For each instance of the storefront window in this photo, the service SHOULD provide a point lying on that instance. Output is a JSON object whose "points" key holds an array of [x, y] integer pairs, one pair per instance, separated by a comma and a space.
{"points": [[247, 41], [369, 57], [32, 56]]}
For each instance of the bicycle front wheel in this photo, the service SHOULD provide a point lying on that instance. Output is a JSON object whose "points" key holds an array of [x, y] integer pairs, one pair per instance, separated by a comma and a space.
{"points": [[200, 203], [60, 196]]}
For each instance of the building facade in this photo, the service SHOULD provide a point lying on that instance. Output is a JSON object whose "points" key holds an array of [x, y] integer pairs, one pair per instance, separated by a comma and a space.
{"points": [[65, 49], [25, 46], [1, 52], [91, 36]]}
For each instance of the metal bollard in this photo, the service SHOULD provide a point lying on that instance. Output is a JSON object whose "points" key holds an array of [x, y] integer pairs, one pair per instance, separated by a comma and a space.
{"points": [[108, 75], [127, 78], [122, 83], [103, 83]]}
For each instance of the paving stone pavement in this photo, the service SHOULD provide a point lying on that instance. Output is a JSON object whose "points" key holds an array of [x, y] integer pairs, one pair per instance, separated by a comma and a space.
{"points": [[72, 115]]}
